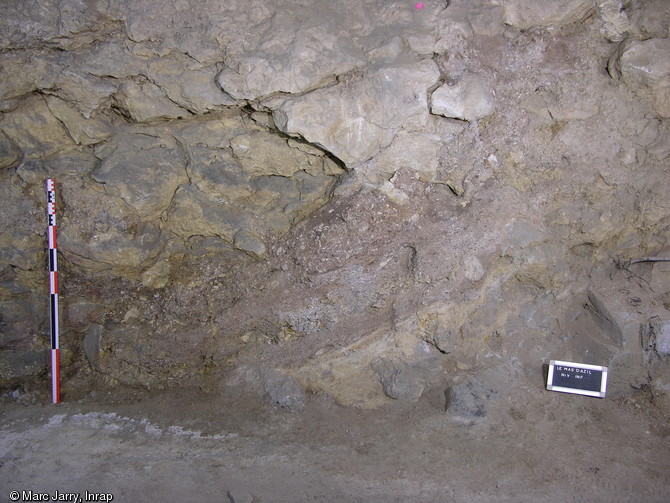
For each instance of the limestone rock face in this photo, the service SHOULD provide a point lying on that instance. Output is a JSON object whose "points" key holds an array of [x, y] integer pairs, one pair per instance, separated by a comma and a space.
{"points": [[34, 129], [289, 62], [371, 109], [103, 232], [145, 102], [83, 130], [16, 250], [142, 170], [524, 14], [283, 390], [663, 339], [246, 184], [649, 19], [188, 84], [470, 99], [9, 152], [374, 201], [615, 19], [401, 381], [644, 67]]}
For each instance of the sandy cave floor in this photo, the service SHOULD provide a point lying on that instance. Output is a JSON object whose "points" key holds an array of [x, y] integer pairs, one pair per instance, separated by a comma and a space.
{"points": [[535, 445]]}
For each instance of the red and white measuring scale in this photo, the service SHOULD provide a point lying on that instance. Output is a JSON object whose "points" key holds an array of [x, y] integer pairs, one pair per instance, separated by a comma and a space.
{"points": [[53, 290]]}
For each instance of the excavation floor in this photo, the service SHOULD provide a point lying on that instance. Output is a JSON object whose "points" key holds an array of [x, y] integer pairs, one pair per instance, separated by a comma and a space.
{"points": [[190, 446]]}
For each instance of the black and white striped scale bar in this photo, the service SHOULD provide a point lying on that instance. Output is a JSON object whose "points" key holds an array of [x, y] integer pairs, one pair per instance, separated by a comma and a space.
{"points": [[53, 290]]}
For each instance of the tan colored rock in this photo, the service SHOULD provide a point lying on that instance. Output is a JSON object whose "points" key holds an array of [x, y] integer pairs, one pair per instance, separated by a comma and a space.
{"points": [[247, 183], [88, 94], [218, 175], [9, 152], [143, 170], [649, 19], [157, 275], [99, 232], [262, 154], [21, 244], [82, 130], [417, 151], [474, 17], [471, 99], [289, 62], [356, 119], [250, 243], [347, 374], [22, 73], [525, 14], [143, 101], [201, 33], [67, 26], [474, 270], [109, 58], [73, 163], [189, 85], [34, 129], [192, 213], [615, 20], [644, 66], [213, 131]]}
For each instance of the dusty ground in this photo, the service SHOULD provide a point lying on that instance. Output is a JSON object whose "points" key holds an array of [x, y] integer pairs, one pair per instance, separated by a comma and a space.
{"points": [[484, 245], [534, 445]]}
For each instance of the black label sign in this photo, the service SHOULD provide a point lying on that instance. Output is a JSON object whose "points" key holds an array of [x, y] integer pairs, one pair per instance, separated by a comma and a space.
{"points": [[577, 378]]}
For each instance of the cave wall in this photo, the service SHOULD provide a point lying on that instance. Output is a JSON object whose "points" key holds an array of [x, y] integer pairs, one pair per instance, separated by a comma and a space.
{"points": [[363, 199]]}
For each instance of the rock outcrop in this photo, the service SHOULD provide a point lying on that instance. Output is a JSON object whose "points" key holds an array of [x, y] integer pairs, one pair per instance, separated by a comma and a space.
{"points": [[364, 199]]}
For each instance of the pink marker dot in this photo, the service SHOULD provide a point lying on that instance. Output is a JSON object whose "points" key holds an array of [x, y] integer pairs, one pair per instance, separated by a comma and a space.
{"points": [[419, 5]]}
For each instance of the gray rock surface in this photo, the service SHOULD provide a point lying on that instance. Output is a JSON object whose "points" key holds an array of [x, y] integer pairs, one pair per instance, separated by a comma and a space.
{"points": [[236, 496], [645, 69], [343, 209], [626, 372], [91, 344], [401, 381], [470, 98], [663, 339], [371, 108], [615, 19], [525, 14], [293, 59], [144, 101], [21, 364], [144, 171], [610, 321], [334, 185], [655, 337], [472, 398], [649, 19], [283, 389]]}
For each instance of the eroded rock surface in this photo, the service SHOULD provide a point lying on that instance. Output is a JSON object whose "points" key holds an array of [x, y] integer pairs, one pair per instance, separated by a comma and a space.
{"points": [[373, 199]]}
